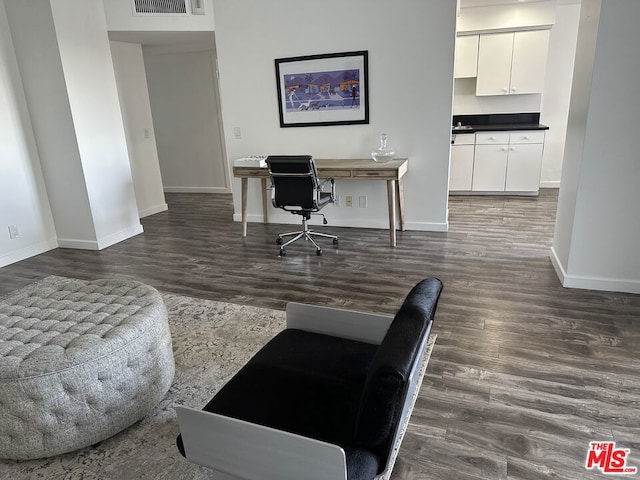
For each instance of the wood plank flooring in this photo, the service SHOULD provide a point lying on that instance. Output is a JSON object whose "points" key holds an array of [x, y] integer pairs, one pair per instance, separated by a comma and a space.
{"points": [[524, 373]]}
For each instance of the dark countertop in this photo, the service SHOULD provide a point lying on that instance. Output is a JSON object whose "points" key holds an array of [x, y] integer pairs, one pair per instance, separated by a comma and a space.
{"points": [[500, 122], [504, 127]]}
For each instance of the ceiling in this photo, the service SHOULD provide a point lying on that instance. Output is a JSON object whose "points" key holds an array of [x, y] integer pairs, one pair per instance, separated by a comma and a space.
{"points": [[485, 3]]}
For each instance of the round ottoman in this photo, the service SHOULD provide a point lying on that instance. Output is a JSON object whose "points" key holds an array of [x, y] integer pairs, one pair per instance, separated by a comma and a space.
{"points": [[79, 362]]}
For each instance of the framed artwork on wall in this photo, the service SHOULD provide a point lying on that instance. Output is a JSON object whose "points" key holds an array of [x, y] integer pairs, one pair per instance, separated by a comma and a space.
{"points": [[318, 90]]}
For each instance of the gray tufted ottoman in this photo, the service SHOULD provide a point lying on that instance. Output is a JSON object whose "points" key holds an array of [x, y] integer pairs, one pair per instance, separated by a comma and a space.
{"points": [[79, 362]]}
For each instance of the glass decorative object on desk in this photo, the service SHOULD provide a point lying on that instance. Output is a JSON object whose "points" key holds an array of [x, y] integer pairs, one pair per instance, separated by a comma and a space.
{"points": [[382, 154]]}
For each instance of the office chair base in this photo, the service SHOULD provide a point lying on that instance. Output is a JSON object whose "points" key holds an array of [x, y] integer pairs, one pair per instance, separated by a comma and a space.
{"points": [[308, 235]]}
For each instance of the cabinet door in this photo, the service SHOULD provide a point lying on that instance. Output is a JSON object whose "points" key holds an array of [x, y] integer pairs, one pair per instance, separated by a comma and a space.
{"points": [[523, 167], [489, 168], [461, 172], [494, 64], [466, 61], [529, 61]]}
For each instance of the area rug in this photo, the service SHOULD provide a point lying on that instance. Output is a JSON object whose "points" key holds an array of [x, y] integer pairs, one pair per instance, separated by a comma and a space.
{"points": [[211, 342]]}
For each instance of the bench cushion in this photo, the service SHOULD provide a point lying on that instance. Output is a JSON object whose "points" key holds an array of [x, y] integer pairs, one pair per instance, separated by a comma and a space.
{"points": [[388, 378], [300, 382]]}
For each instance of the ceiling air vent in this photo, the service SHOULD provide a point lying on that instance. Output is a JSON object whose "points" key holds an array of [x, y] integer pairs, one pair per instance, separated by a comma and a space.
{"points": [[160, 6]]}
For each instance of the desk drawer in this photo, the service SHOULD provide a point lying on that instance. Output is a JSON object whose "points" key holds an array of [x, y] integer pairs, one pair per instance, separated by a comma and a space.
{"points": [[388, 174], [329, 173], [250, 172]]}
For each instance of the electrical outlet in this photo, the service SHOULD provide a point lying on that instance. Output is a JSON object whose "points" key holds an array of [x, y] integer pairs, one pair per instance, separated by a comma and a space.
{"points": [[14, 232], [349, 201], [237, 133], [362, 199]]}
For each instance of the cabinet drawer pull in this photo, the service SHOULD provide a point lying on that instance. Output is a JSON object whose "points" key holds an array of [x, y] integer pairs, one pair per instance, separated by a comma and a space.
{"points": [[503, 149]]}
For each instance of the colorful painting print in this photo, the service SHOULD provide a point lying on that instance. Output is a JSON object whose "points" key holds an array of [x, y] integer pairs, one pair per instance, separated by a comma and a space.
{"points": [[332, 90], [328, 89]]}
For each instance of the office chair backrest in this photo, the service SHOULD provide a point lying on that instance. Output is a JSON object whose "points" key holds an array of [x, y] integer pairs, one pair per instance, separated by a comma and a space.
{"points": [[295, 180]]}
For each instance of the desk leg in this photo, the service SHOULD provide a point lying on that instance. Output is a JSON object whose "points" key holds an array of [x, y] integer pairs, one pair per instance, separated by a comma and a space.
{"points": [[401, 203], [244, 182], [265, 209], [391, 195]]}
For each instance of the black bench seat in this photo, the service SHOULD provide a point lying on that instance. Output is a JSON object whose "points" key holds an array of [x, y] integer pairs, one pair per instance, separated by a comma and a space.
{"points": [[352, 393]]}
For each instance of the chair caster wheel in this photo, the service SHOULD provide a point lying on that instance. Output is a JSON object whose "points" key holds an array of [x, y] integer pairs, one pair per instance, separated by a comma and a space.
{"points": [[319, 252], [282, 252], [335, 241], [279, 240]]}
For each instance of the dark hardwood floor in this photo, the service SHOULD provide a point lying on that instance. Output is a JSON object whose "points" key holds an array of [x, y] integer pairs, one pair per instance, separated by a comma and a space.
{"points": [[524, 373]]}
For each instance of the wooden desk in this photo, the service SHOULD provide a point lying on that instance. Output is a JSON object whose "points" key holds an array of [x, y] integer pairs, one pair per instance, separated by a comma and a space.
{"points": [[351, 169]]}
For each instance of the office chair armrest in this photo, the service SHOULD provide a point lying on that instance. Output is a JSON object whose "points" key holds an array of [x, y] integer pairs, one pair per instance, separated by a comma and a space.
{"points": [[333, 187]]}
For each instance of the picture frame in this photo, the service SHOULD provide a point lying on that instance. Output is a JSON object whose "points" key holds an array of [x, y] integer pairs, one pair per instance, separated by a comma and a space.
{"points": [[326, 89]]}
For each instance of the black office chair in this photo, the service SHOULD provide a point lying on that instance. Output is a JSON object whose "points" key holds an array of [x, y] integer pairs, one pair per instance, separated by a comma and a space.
{"points": [[296, 189]]}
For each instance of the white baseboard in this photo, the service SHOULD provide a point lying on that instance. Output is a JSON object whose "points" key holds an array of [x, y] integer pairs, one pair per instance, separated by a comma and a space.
{"points": [[196, 190], [78, 244], [514, 193], [550, 184], [28, 252], [604, 284], [103, 242], [427, 226], [315, 220], [153, 210], [345, 222], [592, 283], [118, 237], [557, 265]]}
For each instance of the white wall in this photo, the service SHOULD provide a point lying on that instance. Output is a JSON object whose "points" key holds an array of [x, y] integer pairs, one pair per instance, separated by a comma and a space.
{"points": [[554, 110], [65, 63], [23, 197], [494, 18], [133, 92], [576, 131], [184, 102], [410, 46], [93, 97], [467, 103], [120, 16], [38, 56], [598, 229]]}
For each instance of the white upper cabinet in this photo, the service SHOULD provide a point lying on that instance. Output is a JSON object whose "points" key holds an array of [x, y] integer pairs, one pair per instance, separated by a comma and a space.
{"points": [[466, 61], [494, 64], [529, 61], [512, 63]]}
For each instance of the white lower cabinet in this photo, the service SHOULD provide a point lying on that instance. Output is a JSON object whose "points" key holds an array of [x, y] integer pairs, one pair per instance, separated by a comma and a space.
{"points": [[497, 162], [489, 168], [523, 167], [461, 174]]}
